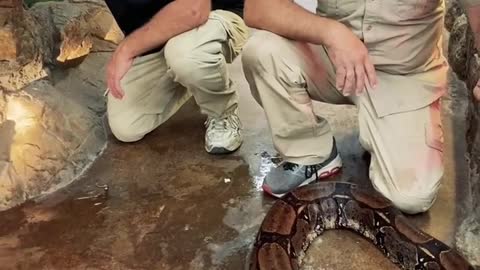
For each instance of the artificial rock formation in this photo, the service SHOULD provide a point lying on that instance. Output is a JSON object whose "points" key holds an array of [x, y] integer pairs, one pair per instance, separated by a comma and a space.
{"points": [[465, 62], [50, 33], [9, 41], [80, 24], [25, 46], [51, 114]]}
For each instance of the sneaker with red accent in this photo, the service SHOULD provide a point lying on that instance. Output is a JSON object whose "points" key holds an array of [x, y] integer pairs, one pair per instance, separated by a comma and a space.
{"points": [[288, 176]]}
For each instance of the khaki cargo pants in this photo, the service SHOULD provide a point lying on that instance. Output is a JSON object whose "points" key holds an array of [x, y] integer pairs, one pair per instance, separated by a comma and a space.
{"points": [[192, 63], [406, 148]]}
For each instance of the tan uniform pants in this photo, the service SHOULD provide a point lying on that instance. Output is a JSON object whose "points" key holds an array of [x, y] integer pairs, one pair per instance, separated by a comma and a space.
{"points": [[406, 147], [192, 63]]}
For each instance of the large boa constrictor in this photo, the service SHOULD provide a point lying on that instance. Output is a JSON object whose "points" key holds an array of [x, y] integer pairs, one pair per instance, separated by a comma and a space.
{"points": [[300, 216]]}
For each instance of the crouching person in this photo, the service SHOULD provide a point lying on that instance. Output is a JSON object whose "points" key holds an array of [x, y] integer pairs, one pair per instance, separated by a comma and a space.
{"points": [[174, 50], [384, 58]]}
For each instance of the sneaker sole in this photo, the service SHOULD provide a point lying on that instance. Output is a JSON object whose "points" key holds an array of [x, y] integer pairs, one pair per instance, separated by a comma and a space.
{"points": [[329, 170], [222, 150]]}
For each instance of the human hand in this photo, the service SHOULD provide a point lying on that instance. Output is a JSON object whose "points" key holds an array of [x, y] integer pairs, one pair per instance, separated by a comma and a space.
{"points": [[350, 57], [117, 67], [476, 91]]}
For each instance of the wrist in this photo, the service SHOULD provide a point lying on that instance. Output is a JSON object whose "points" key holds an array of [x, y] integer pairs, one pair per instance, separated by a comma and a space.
{"points": [[126, 49], [331, 29]]}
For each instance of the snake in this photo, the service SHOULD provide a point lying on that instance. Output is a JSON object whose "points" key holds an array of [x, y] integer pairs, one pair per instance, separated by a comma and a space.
{"points": [[295, 220]]}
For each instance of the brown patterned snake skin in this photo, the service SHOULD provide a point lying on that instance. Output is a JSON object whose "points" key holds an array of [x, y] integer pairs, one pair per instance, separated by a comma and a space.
{"points": [[295, 220]]}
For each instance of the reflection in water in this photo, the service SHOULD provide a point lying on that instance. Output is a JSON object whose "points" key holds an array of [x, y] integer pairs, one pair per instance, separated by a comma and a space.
{"points": [[266, 164]]}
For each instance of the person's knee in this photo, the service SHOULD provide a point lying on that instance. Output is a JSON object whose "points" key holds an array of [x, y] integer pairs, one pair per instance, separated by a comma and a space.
{"points": [[260, 49], [413, 194], [408, 190], [268, 57], [192, 65], [410, 180], [124, 131], [413, 201]]}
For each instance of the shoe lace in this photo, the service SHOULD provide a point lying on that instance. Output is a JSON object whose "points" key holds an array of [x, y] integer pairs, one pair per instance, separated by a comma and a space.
{"points": [[288, 166], [223, 123], [216, 124], [310, 170]]}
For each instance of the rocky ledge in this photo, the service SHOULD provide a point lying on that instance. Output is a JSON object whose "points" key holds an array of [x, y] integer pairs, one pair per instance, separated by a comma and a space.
{"points": [[52, 57]]}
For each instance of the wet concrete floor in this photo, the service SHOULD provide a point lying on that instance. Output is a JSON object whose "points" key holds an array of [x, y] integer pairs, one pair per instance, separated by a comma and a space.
{"points": [[173, 206]]}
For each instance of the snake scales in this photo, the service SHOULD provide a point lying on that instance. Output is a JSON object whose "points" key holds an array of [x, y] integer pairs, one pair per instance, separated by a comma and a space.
{"points": [[299, 217]]}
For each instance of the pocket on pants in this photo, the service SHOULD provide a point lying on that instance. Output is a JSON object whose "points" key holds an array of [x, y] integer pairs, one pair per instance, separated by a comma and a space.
{"points": [[237, 31]]}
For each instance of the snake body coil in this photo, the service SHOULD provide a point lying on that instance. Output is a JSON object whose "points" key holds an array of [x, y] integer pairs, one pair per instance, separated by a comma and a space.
{"points": [[299, 217]]}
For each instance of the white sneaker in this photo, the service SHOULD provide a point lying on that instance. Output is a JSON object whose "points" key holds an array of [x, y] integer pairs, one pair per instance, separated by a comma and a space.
{"points": [[223, 135]]}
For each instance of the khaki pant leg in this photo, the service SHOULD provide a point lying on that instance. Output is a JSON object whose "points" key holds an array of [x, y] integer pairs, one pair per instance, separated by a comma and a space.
{"points": [[198, 60], [151, 97], [277, 71], [406, 150], [191, 63]]}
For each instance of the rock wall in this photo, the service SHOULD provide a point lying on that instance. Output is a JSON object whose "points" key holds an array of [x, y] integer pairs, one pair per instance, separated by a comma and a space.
{"points": [[51, 93], [465, 62], [83, 27], [25, 46]]}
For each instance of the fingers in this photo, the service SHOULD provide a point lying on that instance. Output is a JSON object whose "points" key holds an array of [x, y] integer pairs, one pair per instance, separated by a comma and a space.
{"points": [[353, 80], [345, 79], [113, 82], [366, 76], [370, 72], [340, 77], [113, 89], [360, 79], [367, 83], [118, 88], [110, 76], [114, 85], [476, 91], [348, 89]]}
